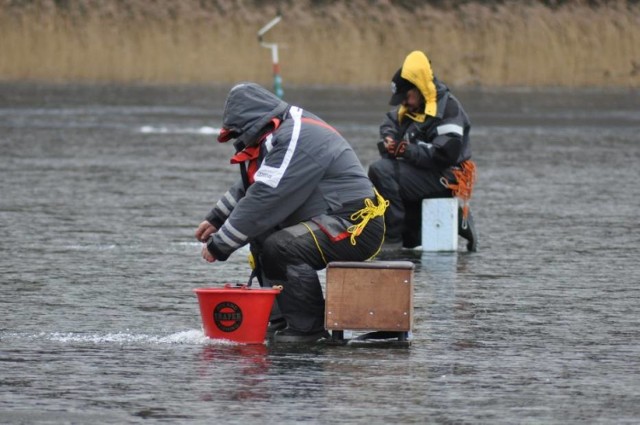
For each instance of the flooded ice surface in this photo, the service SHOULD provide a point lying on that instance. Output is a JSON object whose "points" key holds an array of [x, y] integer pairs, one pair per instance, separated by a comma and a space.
{"points": [[102, 188]]}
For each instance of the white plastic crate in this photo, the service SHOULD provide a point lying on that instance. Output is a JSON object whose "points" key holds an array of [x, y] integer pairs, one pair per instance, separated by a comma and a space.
{"points": [[440, 224]]}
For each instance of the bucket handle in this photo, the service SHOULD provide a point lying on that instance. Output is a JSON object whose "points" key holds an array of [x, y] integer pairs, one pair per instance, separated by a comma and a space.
{"points": [[254, 273]]}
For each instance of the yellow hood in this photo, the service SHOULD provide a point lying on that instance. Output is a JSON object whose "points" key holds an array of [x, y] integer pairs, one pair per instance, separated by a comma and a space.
{"points": [[417, 70]]}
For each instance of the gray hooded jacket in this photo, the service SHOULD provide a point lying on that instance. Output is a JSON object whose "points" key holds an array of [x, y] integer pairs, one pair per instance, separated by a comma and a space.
{"points": [[306, 170]]}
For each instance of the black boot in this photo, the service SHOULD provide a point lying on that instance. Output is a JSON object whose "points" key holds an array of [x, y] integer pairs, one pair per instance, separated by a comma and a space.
{"points": [[467, 230], [288, 335], [276, 325], [301, 300]]}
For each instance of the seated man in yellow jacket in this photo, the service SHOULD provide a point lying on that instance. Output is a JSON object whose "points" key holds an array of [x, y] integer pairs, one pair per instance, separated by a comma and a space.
{"points": [[425, 149]]}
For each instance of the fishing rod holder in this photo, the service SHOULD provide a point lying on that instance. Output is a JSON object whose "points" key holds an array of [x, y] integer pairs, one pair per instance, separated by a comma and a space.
{"points": [[277, 79]]}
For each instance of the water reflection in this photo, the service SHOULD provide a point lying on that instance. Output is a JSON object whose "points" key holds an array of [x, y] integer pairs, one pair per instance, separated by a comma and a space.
{"points": [[243, 369], [438, 274]]}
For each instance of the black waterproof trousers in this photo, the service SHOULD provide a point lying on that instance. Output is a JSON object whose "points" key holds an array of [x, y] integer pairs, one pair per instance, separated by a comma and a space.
{"points": [[405, 186], [291, 257]]}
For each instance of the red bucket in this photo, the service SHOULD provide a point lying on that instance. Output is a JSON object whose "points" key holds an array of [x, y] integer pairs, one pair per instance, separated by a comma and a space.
{"points": [[236, 313]]}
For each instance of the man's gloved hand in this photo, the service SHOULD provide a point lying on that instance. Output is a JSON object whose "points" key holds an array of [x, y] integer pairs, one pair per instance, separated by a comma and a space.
{"points": [[394, 148]]}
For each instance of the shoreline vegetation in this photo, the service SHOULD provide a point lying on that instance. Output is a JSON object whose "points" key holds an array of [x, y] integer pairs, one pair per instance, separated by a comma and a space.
{"points": [[477, 43]]}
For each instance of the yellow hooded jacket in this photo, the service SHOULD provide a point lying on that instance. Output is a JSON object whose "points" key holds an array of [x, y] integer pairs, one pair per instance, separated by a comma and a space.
{"points": [[417, 70]]}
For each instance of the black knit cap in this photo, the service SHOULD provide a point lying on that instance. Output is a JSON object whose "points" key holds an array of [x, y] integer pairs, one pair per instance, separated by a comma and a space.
{"points": [[399, 88]]}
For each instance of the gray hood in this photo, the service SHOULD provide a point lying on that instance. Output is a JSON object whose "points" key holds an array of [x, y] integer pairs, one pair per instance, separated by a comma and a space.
{"points": [[248, 109]]}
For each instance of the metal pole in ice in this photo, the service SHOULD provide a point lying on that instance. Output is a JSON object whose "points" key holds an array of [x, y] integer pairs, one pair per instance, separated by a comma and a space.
{"points": [[277, 80]]}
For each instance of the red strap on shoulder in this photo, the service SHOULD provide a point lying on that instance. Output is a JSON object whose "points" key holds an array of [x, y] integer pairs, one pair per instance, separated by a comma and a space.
{"points": [[320, 123], [246, 155]]}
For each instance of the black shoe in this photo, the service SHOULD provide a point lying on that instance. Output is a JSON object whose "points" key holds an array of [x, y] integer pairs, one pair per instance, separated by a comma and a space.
{"points": [[276, 325], [292, 336], [468, 231]]}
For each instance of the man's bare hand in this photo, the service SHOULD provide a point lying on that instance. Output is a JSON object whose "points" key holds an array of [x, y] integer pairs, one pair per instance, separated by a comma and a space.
{"points": [[208, 256], [395, 149], [204, 230]]}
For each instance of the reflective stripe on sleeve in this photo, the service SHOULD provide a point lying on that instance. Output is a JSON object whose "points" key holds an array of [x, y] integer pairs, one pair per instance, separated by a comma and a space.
{"points": [[222, 207], [449, 128], [231, 236]]}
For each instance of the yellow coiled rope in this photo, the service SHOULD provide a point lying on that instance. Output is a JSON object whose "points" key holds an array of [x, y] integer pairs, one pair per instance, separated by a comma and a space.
{"points": [[367, 213]]}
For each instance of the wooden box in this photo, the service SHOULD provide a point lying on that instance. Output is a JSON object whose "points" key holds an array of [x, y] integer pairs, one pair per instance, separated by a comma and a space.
{"points": [[376, 296]]}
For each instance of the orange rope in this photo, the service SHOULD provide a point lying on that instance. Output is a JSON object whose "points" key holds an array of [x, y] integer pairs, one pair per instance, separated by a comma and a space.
{"points": [[465, 179]]}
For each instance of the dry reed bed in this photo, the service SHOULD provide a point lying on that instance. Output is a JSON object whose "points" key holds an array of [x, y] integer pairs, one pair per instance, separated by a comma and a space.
{"points": [[358, 42]]}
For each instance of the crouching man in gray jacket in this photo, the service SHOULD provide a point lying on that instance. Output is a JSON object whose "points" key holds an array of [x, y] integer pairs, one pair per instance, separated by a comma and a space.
{"points": [[303, 200]]}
